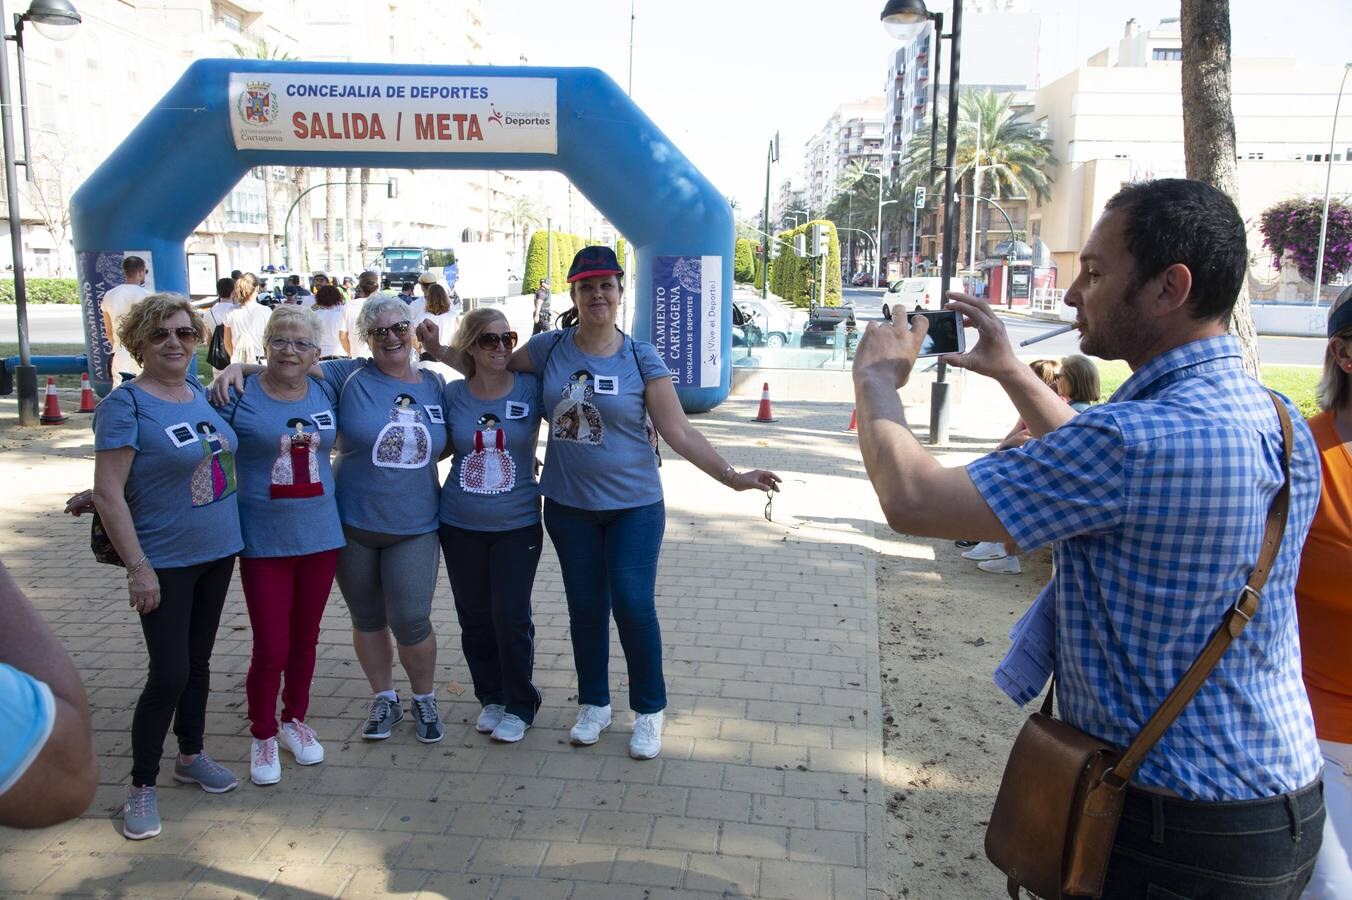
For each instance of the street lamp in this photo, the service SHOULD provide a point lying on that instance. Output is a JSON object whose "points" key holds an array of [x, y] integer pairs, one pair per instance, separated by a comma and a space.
{"points": [[57, 20], [771, 156], [901, 19], [1324, 222]]}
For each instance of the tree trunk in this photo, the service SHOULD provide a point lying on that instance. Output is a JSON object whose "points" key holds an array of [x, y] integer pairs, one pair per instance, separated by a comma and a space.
{"points": [[269, 204], [361, 224], [330, 217], [301, 178], [1209, 128], [349, 235]]}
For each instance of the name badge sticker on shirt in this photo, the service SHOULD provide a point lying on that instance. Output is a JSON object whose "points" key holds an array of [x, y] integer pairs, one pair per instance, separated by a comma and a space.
{"points": [[181, 434], [323, 420], [517, 410], [434, 414], [605, 384]]}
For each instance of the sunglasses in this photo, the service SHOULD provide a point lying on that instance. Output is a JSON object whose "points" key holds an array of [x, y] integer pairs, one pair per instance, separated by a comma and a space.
{"points": [[185, 334], [302, 346], [399, 328], [489, 341]]}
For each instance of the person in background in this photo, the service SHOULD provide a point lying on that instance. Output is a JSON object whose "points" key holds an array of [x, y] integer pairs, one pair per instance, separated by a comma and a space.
{"points": [[294, 281], [391, 432], [604, 508], [490, 519], [436, 308], [244, 325], [114, 307], [215, 314], [164, 487], [317, 281], [284, 419], [541, 314], [48, 770], [331, 312], [406, 293], [368, 285], [1078, 382], [1324, 605]]}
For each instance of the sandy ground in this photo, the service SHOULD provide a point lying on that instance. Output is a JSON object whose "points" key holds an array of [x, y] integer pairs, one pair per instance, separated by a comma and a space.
{"points": [[947, 729]]}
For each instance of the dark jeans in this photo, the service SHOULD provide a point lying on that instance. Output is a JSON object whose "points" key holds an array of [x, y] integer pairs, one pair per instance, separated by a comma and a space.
{"points": [[1248, 850], [179, 636], [491, 576], [609, 561]]}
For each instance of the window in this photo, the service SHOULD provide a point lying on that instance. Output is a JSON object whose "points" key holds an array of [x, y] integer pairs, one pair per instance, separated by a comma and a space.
{"points": [[1167, 54]]}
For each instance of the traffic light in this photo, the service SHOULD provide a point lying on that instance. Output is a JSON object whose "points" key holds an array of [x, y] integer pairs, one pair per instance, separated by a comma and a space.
{"points": [[800, 244], [920, 196], [821, 239]]}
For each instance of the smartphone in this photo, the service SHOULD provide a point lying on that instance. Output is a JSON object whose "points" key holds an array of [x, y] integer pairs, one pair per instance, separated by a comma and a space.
{"points": [[945, 333]]}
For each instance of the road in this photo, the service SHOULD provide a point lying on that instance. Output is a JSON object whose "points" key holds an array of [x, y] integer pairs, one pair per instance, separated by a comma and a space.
{"points": [[61, 325], [867, 303]]}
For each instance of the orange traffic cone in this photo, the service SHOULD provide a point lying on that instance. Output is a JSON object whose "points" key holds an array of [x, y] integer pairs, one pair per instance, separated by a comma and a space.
{"points": [[763, 415], [51, 413], [854, 421], [87, 401]]}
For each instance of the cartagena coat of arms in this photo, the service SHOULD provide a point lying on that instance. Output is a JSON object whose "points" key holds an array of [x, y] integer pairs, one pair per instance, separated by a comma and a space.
{"points": [[258, 103]]}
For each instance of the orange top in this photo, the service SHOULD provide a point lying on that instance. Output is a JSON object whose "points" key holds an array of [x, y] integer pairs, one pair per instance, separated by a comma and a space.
{"points": [[1324, 590]]}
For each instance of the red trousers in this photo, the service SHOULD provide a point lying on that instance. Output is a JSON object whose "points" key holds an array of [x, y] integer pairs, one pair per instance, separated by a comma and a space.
{"points": [[286, 596]]}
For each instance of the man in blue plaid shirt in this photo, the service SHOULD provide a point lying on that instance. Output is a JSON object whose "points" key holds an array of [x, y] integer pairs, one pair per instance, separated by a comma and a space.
{"points": [[1154, 504]]}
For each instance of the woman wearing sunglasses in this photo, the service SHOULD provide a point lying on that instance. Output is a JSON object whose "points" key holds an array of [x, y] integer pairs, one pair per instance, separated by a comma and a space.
{"points": [[286, 425], [490, 521], [603, 498], [164, 488], [391, 432]]}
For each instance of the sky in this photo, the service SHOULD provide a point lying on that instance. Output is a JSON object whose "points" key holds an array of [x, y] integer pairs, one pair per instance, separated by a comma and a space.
{"points": [[719, 77]]}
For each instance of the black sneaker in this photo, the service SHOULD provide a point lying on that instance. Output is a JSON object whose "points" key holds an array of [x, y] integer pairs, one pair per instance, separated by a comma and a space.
{"points": [[965, 545], [385, 714], [427, 721]]}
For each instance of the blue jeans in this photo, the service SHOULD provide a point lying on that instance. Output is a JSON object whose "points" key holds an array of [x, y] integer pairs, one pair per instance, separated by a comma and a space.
{"points": [[609, 561], [1173, 849]]}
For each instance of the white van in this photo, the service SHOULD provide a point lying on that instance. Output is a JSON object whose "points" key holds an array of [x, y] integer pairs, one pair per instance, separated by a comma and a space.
{"points": [[924, 293]]}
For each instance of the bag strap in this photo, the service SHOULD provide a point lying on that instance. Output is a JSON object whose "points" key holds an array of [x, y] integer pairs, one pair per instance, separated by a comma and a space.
{"points": [[1236, 618]]}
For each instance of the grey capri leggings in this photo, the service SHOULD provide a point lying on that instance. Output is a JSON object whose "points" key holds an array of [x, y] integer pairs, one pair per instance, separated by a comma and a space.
{"points": [[387, 580]]}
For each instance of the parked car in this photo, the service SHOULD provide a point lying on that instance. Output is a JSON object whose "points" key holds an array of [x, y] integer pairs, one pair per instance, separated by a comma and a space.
{"points": [[820, 330], [910, 293], [770, 320]]}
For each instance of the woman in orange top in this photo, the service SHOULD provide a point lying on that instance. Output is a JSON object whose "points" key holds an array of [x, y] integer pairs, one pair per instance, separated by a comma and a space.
{"points": [[1324, 605]]}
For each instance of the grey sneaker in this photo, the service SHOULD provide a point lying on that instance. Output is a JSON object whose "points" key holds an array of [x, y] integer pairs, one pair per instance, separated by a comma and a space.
{"points": [[211, 775], [427, 721], [141, 814], [385, 714], [489, 717]]}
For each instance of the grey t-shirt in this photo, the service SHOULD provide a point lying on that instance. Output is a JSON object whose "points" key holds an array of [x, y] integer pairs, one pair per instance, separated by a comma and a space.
{"points": [[390, 435], [601, 453], [491, 485], [182, 486], [287, 504]]}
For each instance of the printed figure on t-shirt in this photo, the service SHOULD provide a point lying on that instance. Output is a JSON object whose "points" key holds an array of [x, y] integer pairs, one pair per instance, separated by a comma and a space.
{"points": [[295, 472], [214, 477], [489, 468], [576, 418], [404, 442]]}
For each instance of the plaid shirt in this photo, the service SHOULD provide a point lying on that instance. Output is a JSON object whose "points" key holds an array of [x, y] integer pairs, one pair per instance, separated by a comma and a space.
{"points": [[1155, 504]]}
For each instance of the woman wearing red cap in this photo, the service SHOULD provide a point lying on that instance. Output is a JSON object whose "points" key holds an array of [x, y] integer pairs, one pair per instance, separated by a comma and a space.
{"points": [[603, 393]]}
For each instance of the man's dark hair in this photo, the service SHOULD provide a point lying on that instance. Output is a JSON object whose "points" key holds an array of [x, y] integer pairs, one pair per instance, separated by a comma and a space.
{"points": [[132, 264], [235, 273], [294, 279], [1178, 220], [224, 287], [408, 287]]}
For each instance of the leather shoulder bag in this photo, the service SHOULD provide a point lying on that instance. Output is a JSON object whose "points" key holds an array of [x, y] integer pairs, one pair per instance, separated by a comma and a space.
{"points": [[1055, 817]]}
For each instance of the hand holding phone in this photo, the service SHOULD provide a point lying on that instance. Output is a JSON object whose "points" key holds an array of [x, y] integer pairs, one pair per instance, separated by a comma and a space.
{"points": [[945, 332]]}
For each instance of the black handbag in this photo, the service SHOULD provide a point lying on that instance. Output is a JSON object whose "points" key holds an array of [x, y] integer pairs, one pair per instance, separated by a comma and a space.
{"points": [[217, 358], [102, 545]]}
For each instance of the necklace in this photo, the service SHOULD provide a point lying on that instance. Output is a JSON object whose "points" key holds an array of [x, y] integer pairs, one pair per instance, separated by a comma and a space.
{"points": [[178, 392]]}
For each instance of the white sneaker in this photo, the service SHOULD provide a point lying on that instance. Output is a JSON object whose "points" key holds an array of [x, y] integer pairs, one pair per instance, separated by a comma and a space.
{"points": [[264, 765], [489, 717], [1005, 565], [300, 740], [646, 741], [986, 550], [591, 721], [511, 729]]}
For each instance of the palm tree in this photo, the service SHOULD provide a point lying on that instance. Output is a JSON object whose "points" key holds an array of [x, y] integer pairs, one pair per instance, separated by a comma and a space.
{"points": [[521, 213], [361, 224], [330, 219], [262, 51], [349, 235]]}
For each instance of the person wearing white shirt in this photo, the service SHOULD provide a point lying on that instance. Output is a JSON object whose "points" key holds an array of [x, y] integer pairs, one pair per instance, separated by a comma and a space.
{"points": [[115, 304], [437, 310], [332, 314], [245, 324]]}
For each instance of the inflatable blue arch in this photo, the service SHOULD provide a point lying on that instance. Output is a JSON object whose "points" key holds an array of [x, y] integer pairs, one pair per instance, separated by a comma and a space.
{"points": [[224, 117]]}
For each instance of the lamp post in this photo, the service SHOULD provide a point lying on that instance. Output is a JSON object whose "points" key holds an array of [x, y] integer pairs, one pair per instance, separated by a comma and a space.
{"points": [[901, 18], [55, 20], [771, 156], [1328, 177], [391, 193]]}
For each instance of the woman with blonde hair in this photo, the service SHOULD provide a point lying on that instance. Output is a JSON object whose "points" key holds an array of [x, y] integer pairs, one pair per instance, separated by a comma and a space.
{"points": [[436, 308], [245, 323], [164, 488], [286, 425], [1324, 605], [490, 518]]}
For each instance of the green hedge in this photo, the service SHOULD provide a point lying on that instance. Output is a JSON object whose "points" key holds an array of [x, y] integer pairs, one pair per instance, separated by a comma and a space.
{"points": [[791, 276], [565, 248], [536, 262], [43, 290], [743, 261]]}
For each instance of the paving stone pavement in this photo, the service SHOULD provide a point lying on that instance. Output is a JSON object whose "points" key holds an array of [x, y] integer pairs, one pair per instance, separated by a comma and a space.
{"points": [[769, 782]]}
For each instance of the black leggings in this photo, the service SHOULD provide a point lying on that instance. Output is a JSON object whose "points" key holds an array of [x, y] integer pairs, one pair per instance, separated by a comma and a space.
{"points": [[179, 636], [491, 577]]}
